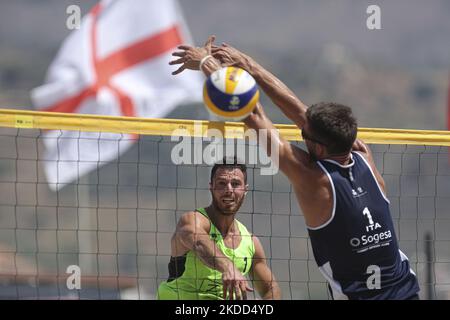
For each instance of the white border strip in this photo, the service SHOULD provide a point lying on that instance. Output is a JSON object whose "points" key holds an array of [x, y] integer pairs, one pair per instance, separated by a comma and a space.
{"points": [[341, 165], [336, 288], [404, 257]]}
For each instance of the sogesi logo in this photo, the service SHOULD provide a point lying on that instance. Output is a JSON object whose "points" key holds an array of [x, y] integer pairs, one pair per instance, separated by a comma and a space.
{"points": [[371, 241], [377, 237]]}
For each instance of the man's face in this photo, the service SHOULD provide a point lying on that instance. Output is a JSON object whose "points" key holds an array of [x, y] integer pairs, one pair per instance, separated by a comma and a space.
{"points": [[228, 189]]}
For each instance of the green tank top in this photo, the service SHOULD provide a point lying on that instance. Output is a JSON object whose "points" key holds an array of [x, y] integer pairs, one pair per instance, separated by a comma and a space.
{"points": [[198, 281]]}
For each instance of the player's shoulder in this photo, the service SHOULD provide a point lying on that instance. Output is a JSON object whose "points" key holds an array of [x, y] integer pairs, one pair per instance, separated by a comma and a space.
{"points": [[361, 148], [361, 155], [243, 227], [365, 154], [193, 217], [256, 240], [311, 175], [301, 162], [258, 247]]}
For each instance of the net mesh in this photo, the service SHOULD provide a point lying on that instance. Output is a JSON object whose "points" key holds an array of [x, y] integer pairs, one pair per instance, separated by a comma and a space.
{"points": [[116, 223]]}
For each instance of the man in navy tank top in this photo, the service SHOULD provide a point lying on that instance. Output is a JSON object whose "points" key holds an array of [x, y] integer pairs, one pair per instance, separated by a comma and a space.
{"points": [[340, 191], [343, 199]]}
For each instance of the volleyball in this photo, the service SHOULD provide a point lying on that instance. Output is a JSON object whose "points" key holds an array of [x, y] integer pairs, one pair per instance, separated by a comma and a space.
{"points": [[230, 93]]}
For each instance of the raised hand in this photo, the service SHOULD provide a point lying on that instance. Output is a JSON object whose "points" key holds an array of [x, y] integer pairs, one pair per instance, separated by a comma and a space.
{"points": [[190, 57]]}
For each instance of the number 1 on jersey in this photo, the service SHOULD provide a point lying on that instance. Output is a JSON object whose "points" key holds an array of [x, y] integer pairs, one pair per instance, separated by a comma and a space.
{"points": [[366, 212], [245, 266]]}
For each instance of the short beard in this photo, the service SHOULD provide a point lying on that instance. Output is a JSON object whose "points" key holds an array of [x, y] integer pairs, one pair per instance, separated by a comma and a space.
{"points": [[218, 207], [312, 156]]}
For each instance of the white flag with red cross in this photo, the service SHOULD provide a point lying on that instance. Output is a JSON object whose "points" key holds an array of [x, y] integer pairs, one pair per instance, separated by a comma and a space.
{"points": [[115, 64]]}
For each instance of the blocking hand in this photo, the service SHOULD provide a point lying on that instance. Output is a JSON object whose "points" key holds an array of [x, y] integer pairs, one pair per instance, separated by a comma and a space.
{"points": [[190, 57]]}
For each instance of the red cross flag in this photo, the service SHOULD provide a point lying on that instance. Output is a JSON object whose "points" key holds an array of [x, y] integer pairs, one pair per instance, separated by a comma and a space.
{"points": [[115, 64]]}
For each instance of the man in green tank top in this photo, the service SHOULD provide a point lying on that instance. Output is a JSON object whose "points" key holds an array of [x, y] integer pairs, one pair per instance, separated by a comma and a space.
{"points": [[212, 252]]}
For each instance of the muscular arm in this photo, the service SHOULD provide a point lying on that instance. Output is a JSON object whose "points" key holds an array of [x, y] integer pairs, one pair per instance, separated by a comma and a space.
{"points": [[192, 233], [287, 156], [275, 89], [280, 94], [263, 279]]}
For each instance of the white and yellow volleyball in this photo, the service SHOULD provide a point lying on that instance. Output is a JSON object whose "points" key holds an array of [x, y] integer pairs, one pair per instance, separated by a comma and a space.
{"points": [[230, 93]]}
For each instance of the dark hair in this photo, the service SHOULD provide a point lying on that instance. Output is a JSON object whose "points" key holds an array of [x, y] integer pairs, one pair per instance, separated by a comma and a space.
{"points": [[231, 163], [334, 125]]}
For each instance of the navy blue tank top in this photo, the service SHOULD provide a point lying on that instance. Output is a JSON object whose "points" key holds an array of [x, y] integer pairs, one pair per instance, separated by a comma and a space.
{"points": [[357, 249]]}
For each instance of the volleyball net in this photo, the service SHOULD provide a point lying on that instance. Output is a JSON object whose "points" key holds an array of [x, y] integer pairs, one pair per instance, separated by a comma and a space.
{"points": [[112, 227]]}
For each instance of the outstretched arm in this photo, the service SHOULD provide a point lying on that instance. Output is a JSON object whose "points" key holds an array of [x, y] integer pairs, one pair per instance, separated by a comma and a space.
{"points": [[288, 157], [285, 156], [192, 234], [261, 275], [277, 91]]}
